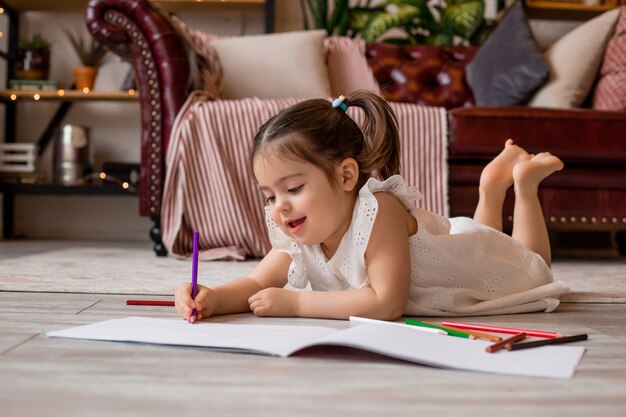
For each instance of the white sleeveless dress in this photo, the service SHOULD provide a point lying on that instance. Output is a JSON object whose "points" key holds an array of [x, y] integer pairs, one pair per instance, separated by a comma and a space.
{"points": [[458, 266]]}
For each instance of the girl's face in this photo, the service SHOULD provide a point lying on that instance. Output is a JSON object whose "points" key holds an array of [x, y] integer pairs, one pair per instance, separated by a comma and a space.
{"points": [[303, 202]]}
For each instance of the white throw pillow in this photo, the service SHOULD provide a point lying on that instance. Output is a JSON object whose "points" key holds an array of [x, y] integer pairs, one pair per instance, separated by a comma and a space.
{"points": [[279, 65], [574, 61]]}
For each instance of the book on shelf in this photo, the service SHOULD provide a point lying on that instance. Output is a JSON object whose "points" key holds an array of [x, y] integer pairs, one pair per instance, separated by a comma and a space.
{"points": [[33, 85]]}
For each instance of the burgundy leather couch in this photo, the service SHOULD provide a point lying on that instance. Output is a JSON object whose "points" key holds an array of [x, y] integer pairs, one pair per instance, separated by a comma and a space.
{"points": [[590, 194]]}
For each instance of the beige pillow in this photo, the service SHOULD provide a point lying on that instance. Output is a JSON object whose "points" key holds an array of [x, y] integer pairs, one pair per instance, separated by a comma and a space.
{"points": [[278, 65], [574, 61]]}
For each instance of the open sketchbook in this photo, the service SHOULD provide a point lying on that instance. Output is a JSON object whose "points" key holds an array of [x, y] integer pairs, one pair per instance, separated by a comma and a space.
{"points": [[394, 341]]}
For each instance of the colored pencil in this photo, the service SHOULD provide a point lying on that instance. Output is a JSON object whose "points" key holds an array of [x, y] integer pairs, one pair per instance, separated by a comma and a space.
{"points": [[149, 303], [537, 343], [194, 269], [506, 342], [498, 329], [477, 335], [363, 320], [450, 332]]}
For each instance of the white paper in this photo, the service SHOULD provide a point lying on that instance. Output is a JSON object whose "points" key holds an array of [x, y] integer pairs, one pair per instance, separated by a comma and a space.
{"points": [[394, 341]]}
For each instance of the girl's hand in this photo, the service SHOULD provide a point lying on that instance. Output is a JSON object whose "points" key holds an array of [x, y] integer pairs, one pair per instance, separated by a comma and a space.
{"points": [[274, 302], [204, 304]]}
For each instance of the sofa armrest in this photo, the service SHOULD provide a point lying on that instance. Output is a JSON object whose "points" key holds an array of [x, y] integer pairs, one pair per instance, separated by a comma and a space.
{"points": [[138, 32], [576, 135]]}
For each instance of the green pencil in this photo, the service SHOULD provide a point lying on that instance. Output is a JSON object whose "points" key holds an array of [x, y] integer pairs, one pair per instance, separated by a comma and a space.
{"points": [[432, 326]]}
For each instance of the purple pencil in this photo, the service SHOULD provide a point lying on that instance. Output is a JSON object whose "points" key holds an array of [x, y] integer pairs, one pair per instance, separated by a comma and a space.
{"points": [[194, 269]]}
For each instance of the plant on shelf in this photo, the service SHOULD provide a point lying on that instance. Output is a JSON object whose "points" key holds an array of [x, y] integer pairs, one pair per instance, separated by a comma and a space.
{"points": [[91, 55], [33, 59], [429, 22]]}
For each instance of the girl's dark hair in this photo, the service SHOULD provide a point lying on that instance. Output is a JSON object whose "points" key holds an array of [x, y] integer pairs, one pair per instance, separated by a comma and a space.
{"points": [[315, 131]]}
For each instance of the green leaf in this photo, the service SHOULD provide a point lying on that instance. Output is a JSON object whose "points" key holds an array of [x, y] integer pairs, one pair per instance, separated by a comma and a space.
{"points": [[90, 53], [440, 39], [319, 11], [379, 24], [338, 20], [359, 17], [463, 17]]}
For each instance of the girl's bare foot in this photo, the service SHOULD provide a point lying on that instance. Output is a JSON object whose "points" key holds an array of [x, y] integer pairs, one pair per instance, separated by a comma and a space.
{"points": [[497, 176], [528, 174]]}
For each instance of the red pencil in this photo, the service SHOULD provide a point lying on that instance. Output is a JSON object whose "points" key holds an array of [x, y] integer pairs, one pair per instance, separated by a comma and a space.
{"points": [[498, 329], [149, 303]]}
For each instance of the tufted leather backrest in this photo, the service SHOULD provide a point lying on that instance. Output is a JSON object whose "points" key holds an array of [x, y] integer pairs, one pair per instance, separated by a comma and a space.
{"points": [[422, 74]]}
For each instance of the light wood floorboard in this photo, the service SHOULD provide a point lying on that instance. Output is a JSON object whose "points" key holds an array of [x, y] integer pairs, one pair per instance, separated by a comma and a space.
{"points": [[62, 377]]}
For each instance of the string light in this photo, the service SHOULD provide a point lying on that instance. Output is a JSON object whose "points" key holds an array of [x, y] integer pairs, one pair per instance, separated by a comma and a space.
{"points": [[61, 92], [13, 97], [86, 90], [131, 92], [36, 97], [104, 177]]}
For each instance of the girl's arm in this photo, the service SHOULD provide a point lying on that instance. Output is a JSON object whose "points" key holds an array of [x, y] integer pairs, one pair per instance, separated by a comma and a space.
{"points": [[233, 297], [388, 268]]}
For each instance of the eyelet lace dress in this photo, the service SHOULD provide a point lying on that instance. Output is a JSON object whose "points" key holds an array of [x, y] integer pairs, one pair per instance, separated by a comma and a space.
{"points": [[458, 266]]}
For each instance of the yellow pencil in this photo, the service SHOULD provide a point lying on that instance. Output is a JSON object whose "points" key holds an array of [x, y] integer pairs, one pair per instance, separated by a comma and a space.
{"points": [[477, 335]]}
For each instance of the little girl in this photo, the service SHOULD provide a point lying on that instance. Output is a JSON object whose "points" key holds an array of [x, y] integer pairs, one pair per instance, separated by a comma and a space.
{"points": [[341, 219]]}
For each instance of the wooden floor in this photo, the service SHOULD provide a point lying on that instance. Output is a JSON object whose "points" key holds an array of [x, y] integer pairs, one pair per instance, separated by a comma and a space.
{"points": [[62, 377]]}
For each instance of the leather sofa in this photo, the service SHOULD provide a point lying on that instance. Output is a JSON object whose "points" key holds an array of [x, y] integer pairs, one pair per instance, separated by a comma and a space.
{"points": [[590, 194]]}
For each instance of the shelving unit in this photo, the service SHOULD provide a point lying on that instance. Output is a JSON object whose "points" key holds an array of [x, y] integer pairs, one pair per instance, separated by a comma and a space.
{"points": [[68, 95], [565, 10], [10, 98], [66, 98]]}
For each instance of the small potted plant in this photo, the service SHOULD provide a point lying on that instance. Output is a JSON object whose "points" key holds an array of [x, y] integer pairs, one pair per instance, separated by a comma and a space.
{"points": [[91, 55], [33, 59]]}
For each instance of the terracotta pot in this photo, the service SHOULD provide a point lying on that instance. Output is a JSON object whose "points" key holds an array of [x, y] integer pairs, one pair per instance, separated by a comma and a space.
{"points": [[85, 77], [32, 64]]}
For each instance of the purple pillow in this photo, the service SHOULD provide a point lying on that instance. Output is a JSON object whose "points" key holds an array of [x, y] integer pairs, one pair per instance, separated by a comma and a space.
{"points": [[509, 67]]}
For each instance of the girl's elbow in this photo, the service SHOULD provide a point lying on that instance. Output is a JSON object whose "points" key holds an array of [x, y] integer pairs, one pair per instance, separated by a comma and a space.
{"points": [[395, 313], [391, 311]]}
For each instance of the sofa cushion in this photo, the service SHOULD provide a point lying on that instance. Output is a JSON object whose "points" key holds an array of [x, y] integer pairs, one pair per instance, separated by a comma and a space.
{"points": [[277, 65], [422, 74], [610, 91], [347, 66], [574, 61], [509, 67]]}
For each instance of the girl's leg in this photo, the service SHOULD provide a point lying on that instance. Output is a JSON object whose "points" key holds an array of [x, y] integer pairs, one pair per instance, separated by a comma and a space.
{"points": [[495, 180], [529, 226]]}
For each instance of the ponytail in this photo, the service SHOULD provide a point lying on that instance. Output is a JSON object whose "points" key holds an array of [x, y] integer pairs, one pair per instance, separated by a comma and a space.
{"points": [[380, 128], [318, 132]]}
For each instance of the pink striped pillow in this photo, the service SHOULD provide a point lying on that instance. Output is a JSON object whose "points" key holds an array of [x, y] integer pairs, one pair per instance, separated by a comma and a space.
{"points": [[610, 92], [348, 69]]}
